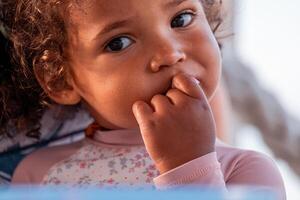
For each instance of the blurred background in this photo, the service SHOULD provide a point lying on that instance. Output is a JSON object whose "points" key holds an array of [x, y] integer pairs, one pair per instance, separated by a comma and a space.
{"points": [[260, 76], [265, 45]]}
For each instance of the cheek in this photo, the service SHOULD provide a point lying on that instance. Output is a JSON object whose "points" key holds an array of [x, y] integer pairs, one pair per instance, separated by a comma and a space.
{"points": [[212, 71], [112, 100], [205, 51]]}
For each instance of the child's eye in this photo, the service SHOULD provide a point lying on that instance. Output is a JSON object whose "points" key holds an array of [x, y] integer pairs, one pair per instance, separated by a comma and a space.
{"points": [[182, 20], [118, 44]]}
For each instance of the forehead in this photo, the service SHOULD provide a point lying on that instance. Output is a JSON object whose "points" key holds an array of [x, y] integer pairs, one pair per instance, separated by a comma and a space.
{"points": [[109, 9], [91, 19], [103, 7]]}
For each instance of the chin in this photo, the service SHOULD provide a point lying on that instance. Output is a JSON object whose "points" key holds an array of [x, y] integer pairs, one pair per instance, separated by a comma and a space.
{"points": [[128, 122], [132, 124]]}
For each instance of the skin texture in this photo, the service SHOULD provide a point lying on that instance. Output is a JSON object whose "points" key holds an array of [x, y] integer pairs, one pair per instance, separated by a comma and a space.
{"points": [[150, 84]]}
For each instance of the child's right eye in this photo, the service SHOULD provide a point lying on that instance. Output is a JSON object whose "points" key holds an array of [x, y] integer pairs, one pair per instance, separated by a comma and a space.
{"points": [[118, 44]]}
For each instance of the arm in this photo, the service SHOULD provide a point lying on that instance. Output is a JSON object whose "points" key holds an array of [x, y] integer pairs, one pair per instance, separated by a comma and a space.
{"points": [[204, 170], [247, 169]]}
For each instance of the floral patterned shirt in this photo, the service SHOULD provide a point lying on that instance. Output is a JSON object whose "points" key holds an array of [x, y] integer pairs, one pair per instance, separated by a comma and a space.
{"points": [[104, 166], [119, 158]]}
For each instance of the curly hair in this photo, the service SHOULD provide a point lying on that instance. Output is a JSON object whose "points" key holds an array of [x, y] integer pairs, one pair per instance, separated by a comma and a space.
{"points": [[38, 34]]}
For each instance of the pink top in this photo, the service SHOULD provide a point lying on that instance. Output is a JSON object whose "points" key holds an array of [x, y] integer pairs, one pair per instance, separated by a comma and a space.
{"points": [[119, 157]]}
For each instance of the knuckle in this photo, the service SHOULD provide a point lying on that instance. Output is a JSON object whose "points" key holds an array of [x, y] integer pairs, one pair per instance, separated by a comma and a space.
{"points": [[158, 101], [175, 97], [156, 98], [138, 105], [172, 92]]}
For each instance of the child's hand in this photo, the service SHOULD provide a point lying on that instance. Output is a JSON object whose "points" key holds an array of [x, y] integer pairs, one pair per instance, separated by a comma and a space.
{"points": [[181, 128]]}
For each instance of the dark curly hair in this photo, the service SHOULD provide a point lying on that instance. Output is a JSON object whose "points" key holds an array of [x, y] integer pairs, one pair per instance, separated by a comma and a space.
{"points": [[38, 40]]}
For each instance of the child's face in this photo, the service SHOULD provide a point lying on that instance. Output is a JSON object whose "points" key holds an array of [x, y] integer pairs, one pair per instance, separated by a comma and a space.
{"points": [[128, 50]]}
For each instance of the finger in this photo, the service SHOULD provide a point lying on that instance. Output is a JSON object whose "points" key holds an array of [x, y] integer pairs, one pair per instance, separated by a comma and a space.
{"points": [[176, 96], [189, 85], [160, 102], [143, 114]]}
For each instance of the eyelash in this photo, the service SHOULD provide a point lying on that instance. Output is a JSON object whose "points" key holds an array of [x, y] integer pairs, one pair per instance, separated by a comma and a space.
{"points": [[192, 13]]}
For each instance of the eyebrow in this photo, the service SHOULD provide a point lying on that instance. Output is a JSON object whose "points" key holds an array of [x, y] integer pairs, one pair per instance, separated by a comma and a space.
{"points": [[125, 22], [174, 3], [114, 25]]}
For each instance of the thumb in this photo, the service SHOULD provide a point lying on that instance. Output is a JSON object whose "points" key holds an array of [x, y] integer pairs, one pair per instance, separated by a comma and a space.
{"points": [[142, 113]]}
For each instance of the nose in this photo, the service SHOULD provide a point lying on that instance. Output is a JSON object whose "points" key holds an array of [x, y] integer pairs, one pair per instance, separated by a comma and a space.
{"points": [[166, 54]]}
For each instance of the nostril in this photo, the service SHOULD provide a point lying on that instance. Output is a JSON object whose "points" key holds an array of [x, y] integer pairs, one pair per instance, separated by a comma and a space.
{"points": [[167, 60], [182, 57]]}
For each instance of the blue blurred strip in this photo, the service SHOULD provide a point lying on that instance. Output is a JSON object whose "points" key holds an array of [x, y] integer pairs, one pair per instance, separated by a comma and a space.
{"points": [[93, 193]]}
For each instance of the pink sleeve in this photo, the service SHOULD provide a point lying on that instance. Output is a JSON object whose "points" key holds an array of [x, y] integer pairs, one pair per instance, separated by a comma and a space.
{"points": [[203, 170], [253, 169]]}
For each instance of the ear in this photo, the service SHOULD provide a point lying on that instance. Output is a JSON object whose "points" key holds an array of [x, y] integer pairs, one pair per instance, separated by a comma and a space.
{"points": [[64, 93]]}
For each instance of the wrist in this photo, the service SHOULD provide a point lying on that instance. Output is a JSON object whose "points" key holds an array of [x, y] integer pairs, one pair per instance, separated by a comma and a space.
{"points": [[167, 164]]}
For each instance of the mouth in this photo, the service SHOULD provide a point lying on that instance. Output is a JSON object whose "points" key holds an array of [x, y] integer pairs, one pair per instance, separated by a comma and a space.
{"points": [[169, 86]]}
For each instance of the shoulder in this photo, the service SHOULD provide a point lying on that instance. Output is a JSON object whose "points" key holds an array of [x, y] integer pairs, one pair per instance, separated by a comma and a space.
{"points": [[33, 167], [248, 167], [230, 153], [233, 159]]}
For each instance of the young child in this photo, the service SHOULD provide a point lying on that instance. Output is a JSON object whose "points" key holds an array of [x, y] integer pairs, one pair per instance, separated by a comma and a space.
{"points": [[146, 71]]}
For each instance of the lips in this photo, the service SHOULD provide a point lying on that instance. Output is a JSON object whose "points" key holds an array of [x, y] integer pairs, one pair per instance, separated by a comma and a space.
{"points": [[165, 91], [169, 86]]}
